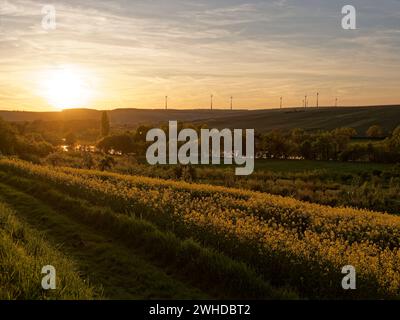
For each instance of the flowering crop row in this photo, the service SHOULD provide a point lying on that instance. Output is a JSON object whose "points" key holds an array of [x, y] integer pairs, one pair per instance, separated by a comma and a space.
{"points": [[285, 240]]}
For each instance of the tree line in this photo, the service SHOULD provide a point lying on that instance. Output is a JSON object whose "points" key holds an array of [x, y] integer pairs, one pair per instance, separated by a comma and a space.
{"points": [[338, 144], [29, 140]]}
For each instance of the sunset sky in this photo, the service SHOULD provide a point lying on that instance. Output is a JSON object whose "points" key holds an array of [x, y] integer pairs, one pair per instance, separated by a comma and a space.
{"points": [[119, 54]]}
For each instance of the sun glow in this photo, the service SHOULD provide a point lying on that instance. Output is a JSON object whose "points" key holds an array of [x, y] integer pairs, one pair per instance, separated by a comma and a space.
{"points": [[66, 87]]}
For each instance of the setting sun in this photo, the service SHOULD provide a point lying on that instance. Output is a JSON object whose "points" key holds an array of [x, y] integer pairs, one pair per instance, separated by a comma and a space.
{"points": [[65, 87]]}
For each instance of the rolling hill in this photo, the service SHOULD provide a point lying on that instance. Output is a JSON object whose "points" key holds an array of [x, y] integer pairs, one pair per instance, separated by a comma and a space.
{"points": [[360, 118]]}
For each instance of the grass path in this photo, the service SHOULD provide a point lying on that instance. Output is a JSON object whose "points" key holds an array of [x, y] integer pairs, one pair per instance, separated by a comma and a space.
{"points": [[23, 253], [122, 272]]}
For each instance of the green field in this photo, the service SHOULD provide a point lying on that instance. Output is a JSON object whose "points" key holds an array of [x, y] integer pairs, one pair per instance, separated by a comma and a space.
{"points": [[24, 251], [363, 185], [330, 167]]}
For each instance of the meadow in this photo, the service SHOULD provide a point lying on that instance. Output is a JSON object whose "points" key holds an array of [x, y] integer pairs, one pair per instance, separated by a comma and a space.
{"points": [[368, 185], [202, 240]]}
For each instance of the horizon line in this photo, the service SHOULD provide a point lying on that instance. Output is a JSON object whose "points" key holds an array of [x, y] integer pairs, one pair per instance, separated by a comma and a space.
{"points": [[205, 109]]}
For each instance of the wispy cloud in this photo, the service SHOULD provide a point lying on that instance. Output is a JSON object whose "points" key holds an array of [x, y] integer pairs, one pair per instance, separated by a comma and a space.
{"points": [[258, 50]]}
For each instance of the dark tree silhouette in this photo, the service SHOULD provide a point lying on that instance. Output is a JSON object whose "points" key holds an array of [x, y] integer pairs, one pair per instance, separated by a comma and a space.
{"points": [[105, 124]]}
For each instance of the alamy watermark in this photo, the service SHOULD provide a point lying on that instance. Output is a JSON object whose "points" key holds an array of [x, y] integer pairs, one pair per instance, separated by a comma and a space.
{"points": [[196, 149], [49, 17], [49, 20], [349, 21], [349, 281], [49, 280]]}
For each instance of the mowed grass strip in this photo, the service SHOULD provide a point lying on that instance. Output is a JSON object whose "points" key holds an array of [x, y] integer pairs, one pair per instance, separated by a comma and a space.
{"points": [[23, 253]]}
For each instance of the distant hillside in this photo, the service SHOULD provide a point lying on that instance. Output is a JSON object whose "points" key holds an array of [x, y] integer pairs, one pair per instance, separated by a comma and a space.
{"points": [[120, 116], [360, 118]]}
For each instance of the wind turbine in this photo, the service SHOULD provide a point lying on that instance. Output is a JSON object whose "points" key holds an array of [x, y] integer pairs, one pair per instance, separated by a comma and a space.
{"points": [[280, 104], [231, 103], [317, 99], [212, 97], [166, 102]]}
